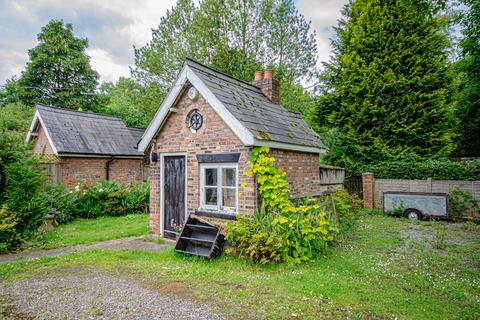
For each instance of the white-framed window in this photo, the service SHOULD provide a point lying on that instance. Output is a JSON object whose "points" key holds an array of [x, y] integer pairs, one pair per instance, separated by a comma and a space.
{"points": [[218, 187]]}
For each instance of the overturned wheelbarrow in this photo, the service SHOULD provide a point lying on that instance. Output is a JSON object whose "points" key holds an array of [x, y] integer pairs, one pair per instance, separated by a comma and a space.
{"points": [[200, 238]]}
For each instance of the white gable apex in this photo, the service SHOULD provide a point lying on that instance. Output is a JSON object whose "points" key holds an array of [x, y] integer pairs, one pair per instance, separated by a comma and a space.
{"points": [[187, 74], [37, 119]]}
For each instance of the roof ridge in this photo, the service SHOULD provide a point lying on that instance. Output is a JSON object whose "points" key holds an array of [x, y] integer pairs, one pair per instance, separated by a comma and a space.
{"points": [[222, 73], [65, 110]]}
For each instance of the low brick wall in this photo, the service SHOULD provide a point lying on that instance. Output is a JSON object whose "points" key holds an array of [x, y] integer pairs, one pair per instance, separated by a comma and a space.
{"points": [[373, 189]]}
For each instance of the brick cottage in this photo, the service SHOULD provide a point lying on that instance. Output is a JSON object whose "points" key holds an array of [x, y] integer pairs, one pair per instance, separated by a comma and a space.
{"points": [[200, 141], [85, 147]]}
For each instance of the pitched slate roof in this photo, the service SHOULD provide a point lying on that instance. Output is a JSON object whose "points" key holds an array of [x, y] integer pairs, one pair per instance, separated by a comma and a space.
{"points": [[137, 134], [78, 132], [243, 107], [264, 119]]}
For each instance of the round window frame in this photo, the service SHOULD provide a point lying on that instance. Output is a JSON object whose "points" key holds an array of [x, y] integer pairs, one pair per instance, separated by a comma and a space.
{"points": [[194, 127]]}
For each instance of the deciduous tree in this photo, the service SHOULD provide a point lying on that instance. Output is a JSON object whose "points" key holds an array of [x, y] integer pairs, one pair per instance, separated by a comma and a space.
{"points": [[58, 72], [234, 36], [134, 103]]}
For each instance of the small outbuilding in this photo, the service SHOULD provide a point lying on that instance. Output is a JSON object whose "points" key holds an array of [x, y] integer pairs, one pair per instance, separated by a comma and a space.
{"points": [[201, 138], [85, 147]]}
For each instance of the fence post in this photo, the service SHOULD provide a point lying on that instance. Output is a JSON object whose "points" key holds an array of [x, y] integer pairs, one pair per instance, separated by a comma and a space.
{"points": [[368, 182], [429, 185]]}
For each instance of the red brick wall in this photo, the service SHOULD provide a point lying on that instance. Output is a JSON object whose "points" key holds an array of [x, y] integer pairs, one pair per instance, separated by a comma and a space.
{"points": [[302, 169], [92, 170], [213, 137]]}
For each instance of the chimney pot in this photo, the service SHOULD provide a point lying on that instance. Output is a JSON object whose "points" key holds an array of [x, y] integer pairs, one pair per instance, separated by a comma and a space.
{"points": [[258, 76], [268, 74], [270, 86]]}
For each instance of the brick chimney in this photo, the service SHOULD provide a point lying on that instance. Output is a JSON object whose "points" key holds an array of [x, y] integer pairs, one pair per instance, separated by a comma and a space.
{"points": [[269, 85]]}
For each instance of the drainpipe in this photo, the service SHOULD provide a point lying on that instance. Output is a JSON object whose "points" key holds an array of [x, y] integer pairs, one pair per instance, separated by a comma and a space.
{"points": [[107, 168]]}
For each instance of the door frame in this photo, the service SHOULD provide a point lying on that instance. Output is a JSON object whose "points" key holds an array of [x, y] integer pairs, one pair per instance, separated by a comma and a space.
{"points": [[162, 196]]}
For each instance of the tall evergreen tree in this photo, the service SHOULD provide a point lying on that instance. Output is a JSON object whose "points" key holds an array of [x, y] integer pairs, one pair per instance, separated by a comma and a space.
{"points": [[386, 85], [468, 94], [59, 71]]}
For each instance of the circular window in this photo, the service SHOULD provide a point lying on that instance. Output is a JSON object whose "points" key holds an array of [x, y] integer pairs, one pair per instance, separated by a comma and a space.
{"points": [[194, 120]]}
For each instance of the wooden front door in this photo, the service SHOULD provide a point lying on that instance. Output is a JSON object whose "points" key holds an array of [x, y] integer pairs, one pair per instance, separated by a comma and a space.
{"points": [[174, 193]]}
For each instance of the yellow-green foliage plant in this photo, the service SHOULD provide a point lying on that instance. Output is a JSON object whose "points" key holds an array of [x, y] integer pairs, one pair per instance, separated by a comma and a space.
{"points": [[280, 230]]}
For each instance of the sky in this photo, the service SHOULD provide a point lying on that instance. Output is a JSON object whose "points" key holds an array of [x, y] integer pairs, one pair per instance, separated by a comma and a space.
{"points": [[113, 27]]}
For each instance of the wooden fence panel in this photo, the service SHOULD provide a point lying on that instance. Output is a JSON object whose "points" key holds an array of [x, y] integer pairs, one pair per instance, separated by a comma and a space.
{"points": [[53, 173]]}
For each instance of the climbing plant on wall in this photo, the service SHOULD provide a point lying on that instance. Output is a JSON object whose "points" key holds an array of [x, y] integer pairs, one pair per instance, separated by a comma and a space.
{"points": [[280, 230]]}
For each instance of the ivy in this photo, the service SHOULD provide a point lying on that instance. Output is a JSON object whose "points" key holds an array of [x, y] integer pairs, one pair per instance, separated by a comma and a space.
{"points": [[461, 202], [436, 169], [280, 230]]}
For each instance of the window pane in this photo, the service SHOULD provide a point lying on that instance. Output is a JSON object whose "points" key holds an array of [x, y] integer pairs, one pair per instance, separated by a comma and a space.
{"points": [[228, 198], [211, 177], [228, 176], [211, 196]]}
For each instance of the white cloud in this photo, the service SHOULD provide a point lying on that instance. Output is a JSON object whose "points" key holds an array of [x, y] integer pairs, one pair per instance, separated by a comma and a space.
{"points": [[114, 27], [102, 62], [324, 15]]}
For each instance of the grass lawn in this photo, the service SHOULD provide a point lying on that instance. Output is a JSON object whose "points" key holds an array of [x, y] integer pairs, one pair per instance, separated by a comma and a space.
{"points": [[87, 231], [385, 268]]}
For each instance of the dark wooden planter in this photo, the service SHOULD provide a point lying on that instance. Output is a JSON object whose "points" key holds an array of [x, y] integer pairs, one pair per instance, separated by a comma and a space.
{"points": [[200, 238]]}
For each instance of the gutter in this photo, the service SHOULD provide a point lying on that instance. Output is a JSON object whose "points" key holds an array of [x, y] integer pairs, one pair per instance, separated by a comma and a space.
{"points": [[107, 168], [100, 155]]}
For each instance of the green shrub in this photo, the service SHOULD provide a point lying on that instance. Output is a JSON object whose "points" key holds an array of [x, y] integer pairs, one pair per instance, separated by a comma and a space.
{"points": [[423, 169], [461, 202], [256, 238], [293, 237], [347, 207], [15, 116], [105, 198], [65, 202], [12, 149], [138, 197], [22, 207], [280, 230]]}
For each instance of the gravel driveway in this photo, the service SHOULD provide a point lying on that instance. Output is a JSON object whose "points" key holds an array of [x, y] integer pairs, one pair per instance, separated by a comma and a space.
{"points": [[92, 294]]}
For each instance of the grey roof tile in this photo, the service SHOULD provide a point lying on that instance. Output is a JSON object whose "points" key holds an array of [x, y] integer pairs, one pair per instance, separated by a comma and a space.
{"points": [[264, 119], [78, 132]]}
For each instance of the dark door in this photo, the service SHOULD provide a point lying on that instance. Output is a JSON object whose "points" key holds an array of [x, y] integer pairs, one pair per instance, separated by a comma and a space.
{"points": [[174, 193]]}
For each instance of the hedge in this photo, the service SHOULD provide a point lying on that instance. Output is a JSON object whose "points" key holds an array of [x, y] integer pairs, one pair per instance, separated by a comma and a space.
{"points": [[423, 169]]}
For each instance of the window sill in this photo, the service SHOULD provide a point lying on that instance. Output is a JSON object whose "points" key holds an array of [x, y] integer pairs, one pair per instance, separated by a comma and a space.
{"points": [[216, 214]]}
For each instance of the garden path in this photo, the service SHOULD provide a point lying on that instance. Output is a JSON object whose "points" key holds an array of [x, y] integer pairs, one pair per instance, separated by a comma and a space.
{"points": [[136, 243]]}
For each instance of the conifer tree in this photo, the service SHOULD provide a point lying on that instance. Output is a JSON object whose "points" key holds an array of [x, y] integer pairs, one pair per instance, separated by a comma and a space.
{"points": [[386, 85], [468, 95]]}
